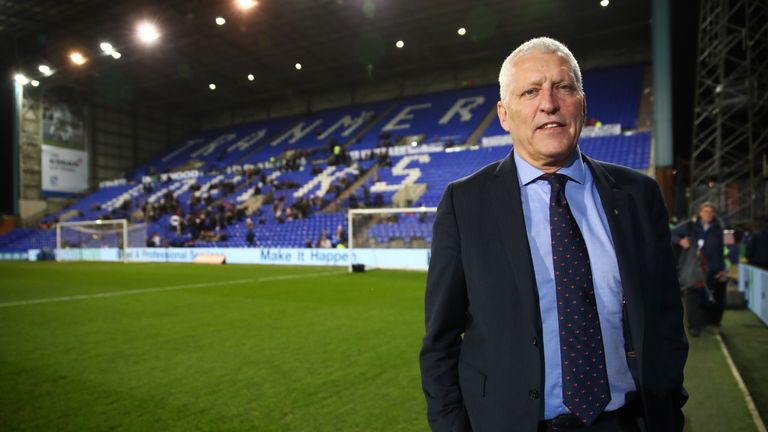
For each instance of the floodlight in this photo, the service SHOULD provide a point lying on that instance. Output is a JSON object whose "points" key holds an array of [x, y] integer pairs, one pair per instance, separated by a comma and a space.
{"points": [[298, 66], [21, 79], [116, 55], [246, 4], [220, 21], [414, 143], [604, 3], [77, 58], [45, 70], [212, 86], [147, 32], [106, 47], [35, 83], [251, 77], [399, 44], [462, 31]]}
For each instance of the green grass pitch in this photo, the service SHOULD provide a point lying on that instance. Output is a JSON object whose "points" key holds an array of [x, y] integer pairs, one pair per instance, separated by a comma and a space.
{"points": [[293, 349], [182, 347]]}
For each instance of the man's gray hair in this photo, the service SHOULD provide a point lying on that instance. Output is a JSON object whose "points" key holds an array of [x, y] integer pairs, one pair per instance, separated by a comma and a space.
{"points": [[541, 45]]}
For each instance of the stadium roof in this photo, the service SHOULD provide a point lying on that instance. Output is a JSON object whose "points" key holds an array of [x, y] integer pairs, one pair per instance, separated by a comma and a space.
{"points": [[340, 43]]}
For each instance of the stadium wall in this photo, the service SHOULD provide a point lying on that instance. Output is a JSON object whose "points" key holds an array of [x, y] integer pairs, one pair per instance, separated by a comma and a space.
{"points": [[753, 282]]}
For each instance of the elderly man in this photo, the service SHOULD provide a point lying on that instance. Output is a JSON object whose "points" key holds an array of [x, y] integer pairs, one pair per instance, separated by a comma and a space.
{"points": [[552, 301]]}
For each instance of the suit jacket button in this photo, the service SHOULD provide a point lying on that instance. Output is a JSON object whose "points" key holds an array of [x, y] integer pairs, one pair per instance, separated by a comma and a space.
{"points": [[533, 394], [535, 341]]}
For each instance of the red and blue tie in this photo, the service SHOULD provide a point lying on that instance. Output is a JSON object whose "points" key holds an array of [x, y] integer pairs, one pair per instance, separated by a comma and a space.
{"points": [[585, 380]]}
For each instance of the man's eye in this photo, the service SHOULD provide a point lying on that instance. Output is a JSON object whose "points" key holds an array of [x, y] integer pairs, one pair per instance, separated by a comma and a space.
{"points": [[565, 87], [529, 92]]}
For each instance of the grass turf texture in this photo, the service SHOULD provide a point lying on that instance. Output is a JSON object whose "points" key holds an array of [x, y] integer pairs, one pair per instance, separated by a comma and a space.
{"points": [[327, 353], [747, 340], [286, 351]]}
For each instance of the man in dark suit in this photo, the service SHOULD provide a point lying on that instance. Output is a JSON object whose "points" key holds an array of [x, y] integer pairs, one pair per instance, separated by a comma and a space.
{"points": [[552, 301]]}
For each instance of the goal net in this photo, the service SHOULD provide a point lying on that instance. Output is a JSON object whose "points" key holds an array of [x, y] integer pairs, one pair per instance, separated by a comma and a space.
{"points": [[396, 238], [98, 240]]}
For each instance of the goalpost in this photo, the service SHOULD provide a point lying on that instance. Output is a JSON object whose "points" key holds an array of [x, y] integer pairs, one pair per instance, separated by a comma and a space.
{"points": [[98, 240], [395, 238]]}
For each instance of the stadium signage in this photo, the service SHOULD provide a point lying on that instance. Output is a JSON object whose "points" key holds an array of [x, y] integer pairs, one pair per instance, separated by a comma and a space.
{"points": [[411, 259]]}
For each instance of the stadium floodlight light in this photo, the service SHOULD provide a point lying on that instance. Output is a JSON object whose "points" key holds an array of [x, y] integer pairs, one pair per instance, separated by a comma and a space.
{"points": [[21, 79], [414, 143], [107, 48], [461, 31], [45, 70], [246, 4], [399, 44], [220, 21], [116, 55], [251, 77], [147, 32], [35, 83], [298, 66], [604, 3], [77, 58], [212, 86]]}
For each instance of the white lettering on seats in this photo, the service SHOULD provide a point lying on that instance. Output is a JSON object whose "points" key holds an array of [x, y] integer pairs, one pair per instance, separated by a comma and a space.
{"points": [[411, 174], [463, 107], [296, 133], [405, 114]]}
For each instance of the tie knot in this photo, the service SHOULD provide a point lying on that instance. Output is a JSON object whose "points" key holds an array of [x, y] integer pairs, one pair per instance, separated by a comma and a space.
{"points": [[556, 181]]}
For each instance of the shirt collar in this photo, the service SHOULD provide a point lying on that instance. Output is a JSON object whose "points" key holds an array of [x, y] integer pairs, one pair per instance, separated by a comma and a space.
{"points": [[527, 173]]}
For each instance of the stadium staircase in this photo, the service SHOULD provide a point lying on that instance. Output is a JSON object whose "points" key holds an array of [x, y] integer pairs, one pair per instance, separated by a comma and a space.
{"points": [[335, 205]]}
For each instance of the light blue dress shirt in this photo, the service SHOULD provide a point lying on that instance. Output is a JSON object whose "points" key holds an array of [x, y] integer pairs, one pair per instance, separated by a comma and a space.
{"points": [[587, 208]]}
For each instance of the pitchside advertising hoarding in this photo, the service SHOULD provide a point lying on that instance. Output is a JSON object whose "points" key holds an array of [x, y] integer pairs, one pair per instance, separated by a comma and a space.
{"points": [[64, 162], [406, 259]]}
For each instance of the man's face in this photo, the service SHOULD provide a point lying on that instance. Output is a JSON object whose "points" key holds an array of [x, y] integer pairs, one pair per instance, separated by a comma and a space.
{"points": [[706, 214], [544, 110]]}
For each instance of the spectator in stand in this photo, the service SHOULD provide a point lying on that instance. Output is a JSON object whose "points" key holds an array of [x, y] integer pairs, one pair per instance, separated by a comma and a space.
{"points": [[175, 222], [757, 249], [339, 236], [323, 241], [705, 232], [155, 240], [250, 236], [307, 242]]}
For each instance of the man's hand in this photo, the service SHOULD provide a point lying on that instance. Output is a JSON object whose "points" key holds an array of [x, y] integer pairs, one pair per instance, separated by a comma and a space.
{"points": [[684, 243]]}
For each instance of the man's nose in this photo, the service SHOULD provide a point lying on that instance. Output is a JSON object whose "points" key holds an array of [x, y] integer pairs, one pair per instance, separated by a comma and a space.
{"points": [[549, 103]]}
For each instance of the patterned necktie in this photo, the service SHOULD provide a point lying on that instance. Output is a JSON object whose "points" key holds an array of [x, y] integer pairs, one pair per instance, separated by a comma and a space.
{"points": [[585, 380]]}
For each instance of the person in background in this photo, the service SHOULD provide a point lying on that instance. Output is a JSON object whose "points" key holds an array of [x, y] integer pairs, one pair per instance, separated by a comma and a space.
{"points": [[705, 233]]}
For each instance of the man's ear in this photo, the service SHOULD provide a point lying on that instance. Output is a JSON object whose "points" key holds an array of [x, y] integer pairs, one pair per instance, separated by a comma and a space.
{"points": [[583, 109], [501, 111]]}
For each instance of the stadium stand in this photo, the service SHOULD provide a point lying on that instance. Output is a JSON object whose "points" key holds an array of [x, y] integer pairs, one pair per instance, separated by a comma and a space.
{"points": [[287, 182]]}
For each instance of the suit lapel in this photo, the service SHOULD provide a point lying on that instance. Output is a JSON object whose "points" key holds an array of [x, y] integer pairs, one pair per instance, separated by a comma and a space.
{"points": [[615, 203], [508, 212]]}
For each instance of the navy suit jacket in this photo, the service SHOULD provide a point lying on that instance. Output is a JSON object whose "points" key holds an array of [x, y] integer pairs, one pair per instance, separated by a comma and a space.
{"points": [[482, 362]]}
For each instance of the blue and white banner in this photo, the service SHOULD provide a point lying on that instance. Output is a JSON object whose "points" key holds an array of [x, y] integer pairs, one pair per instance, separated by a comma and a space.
{"points": [[405, 259], [64, 170], [64, 164]]}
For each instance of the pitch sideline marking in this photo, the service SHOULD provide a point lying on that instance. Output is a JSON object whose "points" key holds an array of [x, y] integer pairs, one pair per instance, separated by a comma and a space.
{"points": [[159, 289], [744, 390]]}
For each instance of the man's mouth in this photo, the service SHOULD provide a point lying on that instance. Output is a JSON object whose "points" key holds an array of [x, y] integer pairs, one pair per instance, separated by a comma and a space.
{"points": [[551, 125]]}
